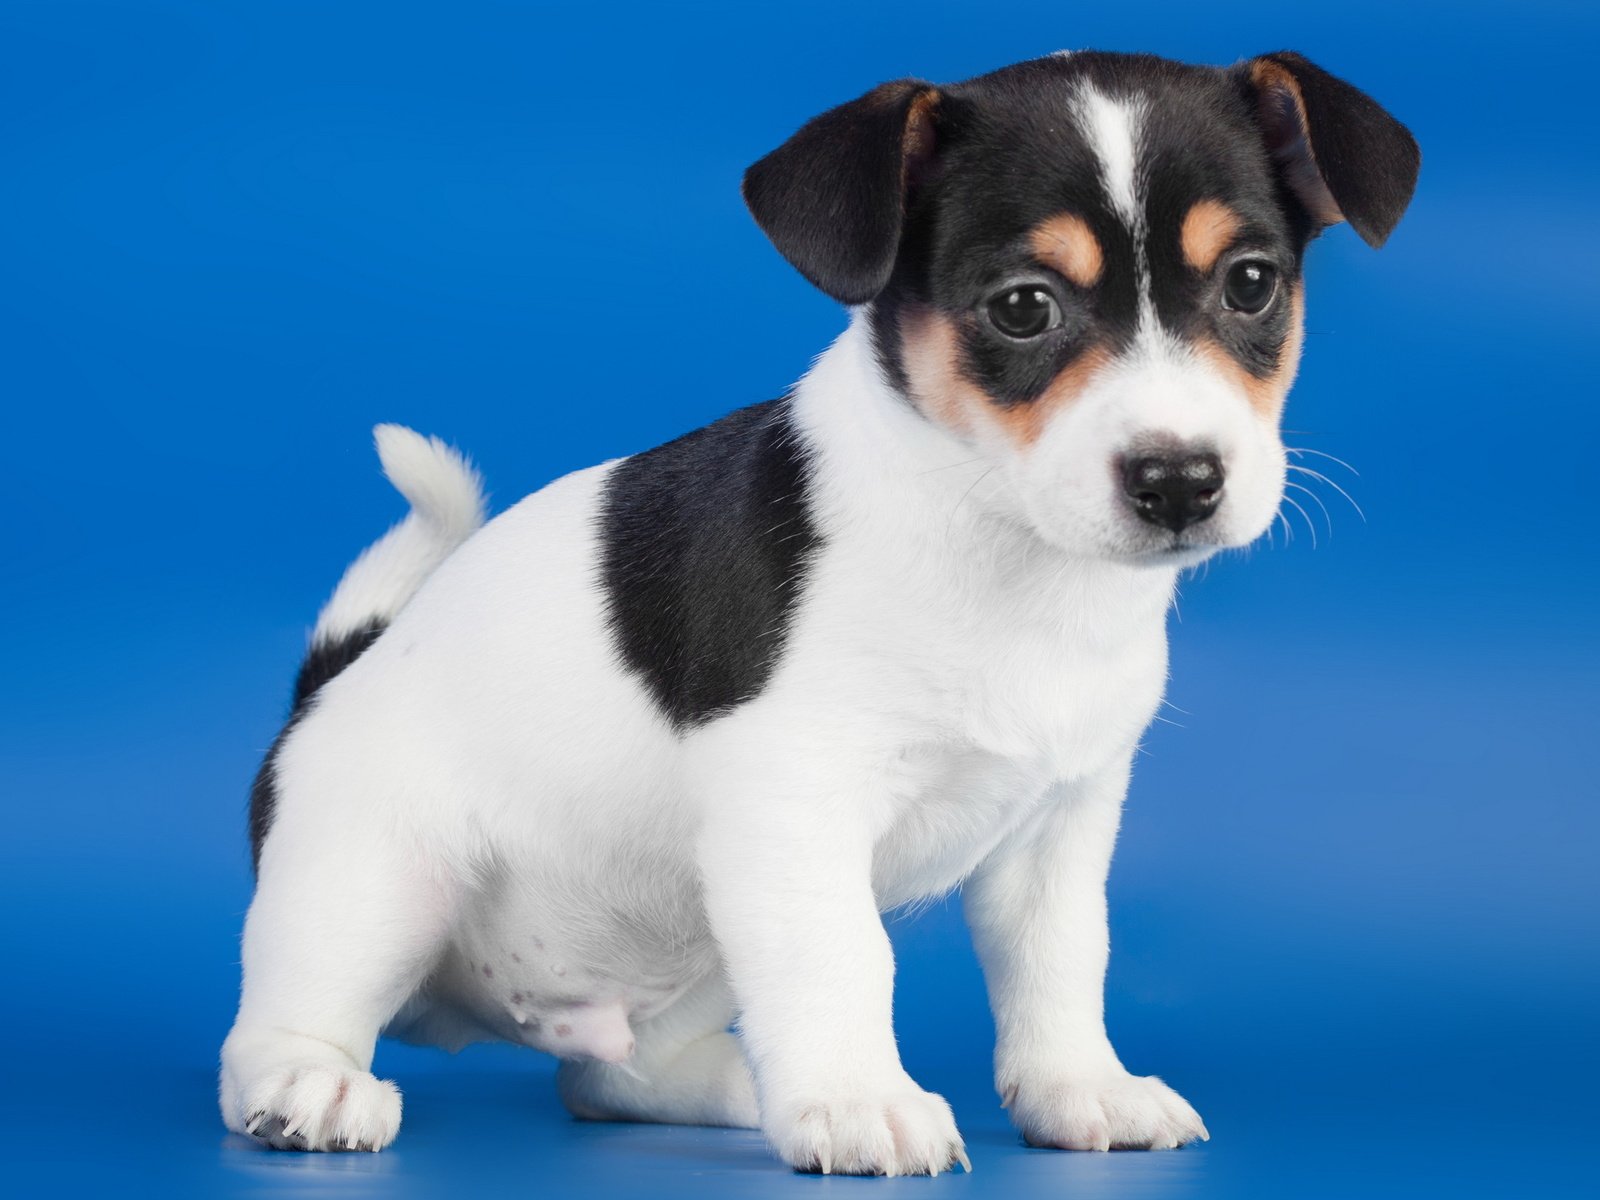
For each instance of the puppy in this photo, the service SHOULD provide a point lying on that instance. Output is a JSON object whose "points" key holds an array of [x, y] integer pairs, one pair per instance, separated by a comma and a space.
{"points": [[649, 753]]}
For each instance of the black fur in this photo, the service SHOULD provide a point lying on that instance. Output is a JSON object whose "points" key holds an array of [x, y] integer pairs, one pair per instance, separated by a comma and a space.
{"points": [[325, 660], [831, 197], [1368, 159], [705, 546], [1011, 157], [1002, 154]]}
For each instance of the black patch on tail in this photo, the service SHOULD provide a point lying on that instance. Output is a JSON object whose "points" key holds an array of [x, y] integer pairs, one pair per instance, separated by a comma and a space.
{"points": [[325, 660], [705, 542]]}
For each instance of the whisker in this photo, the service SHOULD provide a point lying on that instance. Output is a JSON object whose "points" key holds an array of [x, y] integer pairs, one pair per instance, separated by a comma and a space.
{"points": [[1326, 515], [1307, 516], [1323, 454], [966, 462], [1333, 485], [949, 524], [1288, 533]]}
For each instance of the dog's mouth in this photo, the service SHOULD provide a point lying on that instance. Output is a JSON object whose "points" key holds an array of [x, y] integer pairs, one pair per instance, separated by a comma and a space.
{"points": [[1174, 550]]}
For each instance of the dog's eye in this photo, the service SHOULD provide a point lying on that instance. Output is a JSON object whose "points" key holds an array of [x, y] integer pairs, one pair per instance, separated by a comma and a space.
{"points": [[1249, 286], [1024, 312]]}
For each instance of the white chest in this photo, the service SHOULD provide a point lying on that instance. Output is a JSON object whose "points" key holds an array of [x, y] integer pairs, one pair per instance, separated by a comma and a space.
{"points": [[1017, 710]]}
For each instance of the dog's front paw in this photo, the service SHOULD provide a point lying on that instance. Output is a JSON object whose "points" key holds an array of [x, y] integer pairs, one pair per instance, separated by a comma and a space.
{"points": [[313, 1106], [1113, 1111], [900, 1130]]}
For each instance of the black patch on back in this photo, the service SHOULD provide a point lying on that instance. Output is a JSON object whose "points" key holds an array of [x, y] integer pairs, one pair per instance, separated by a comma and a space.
{"points": [[705, 543], [325, 660]]}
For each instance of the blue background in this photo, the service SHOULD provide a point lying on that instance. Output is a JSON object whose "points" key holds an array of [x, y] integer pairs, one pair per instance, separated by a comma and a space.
{"points": [[1355, 903]]}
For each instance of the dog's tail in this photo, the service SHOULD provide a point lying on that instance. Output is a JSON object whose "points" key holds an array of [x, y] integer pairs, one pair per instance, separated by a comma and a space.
{"points": [[447, 507]]}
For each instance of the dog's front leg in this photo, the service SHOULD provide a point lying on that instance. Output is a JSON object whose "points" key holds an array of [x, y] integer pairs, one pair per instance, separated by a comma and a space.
{"points": [[1037, 908], [786, 856]]}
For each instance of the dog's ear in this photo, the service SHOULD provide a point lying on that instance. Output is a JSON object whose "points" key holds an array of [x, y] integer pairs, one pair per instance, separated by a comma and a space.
{"points": [[833, 197], [1340, 153]]}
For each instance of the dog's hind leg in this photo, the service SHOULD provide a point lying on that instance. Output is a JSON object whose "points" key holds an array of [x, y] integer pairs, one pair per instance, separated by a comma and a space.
{"points": [[686, 1069], [347, 921]]}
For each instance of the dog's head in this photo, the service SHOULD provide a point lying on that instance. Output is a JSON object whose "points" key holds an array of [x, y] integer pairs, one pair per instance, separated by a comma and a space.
{"points": [[1087, 268]]}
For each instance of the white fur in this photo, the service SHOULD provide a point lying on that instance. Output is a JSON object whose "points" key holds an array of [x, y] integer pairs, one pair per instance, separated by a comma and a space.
{"points": [[1113, 127], [447, 506], [485, 828], [1160, 393], [1061, 487]]}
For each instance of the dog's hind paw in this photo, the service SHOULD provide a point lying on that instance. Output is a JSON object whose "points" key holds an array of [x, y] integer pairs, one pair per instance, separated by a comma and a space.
{"points": [[313, 1106]]}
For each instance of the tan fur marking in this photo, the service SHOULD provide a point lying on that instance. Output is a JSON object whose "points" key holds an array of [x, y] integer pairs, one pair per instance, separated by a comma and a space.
{"points": [[928, 341], [1282, 113], [917, 142], [930, 351], [1266, 395], [1066, 243], [1026, 423], [1208, 229]]}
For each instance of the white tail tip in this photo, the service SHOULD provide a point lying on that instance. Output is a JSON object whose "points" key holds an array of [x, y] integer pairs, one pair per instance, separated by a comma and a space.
{"points": [[447, 507]]}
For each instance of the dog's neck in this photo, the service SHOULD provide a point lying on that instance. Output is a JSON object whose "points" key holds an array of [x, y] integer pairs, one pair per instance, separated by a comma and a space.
{"points": [[925, 500]]}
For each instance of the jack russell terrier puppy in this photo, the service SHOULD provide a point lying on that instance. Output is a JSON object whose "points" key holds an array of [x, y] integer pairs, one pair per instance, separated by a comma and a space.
{"points": [[648, 754]]}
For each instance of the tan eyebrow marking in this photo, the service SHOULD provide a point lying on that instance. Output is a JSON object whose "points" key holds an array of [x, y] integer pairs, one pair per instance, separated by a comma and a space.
{"points": [[1066, 243], [1208, 229]]}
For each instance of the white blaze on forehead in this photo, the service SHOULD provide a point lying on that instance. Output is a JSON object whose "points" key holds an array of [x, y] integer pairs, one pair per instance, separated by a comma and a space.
{"points": [[1113, 129]]}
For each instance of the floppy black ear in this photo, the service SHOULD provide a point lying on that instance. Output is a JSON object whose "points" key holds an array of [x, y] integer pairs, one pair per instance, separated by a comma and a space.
{"points": [[1340, 152], [833, 197]]}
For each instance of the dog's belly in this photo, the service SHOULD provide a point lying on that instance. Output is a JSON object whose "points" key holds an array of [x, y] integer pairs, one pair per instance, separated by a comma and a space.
{"points": [[571, 966], [568, 969], [570, 960]]}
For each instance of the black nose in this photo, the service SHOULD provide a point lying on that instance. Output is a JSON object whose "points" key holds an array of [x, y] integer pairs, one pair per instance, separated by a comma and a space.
{"points": [[1174, 490]]}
